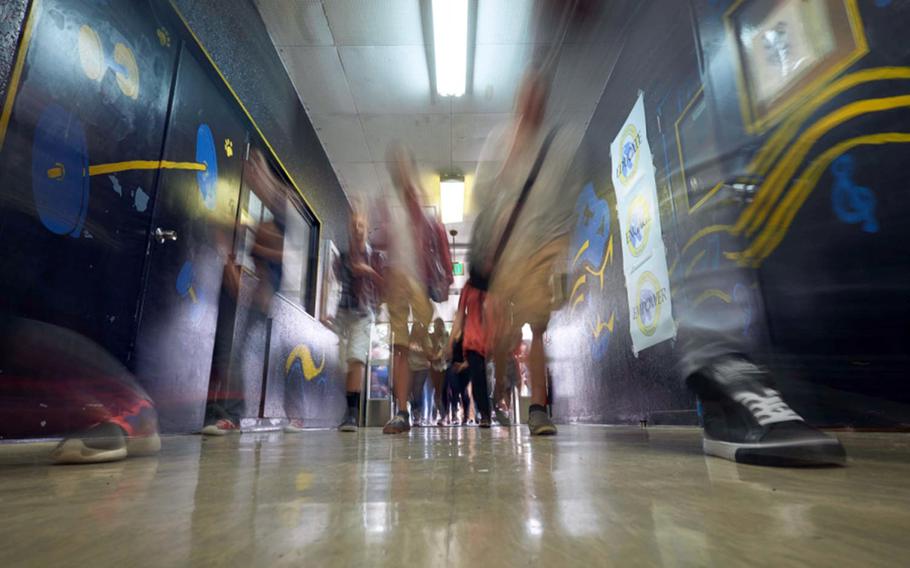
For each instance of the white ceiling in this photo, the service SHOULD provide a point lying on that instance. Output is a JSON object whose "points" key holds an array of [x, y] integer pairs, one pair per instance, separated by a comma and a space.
{"points": [[360, 68]]}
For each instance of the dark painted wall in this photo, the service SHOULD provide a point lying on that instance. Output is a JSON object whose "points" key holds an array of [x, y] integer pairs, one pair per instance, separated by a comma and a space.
{"points": [[235, 36], [72, 245], [12, 14], [104, 277], [830, 309]]}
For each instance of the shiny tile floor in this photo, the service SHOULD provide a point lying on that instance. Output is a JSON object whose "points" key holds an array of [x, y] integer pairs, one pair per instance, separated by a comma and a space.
{"points": [[456, 496]]}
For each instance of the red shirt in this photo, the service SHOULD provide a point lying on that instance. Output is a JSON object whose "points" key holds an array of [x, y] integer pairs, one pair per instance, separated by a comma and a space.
{"points": [[470, 303]]}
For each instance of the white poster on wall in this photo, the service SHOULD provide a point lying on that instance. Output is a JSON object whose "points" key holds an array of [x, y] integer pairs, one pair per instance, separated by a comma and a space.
{"points": [[630, 152], [644, 258], [650, 310], [639, 221]]}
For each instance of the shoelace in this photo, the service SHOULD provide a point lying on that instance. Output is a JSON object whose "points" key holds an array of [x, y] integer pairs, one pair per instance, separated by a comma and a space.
{"points": [[767, 406]]}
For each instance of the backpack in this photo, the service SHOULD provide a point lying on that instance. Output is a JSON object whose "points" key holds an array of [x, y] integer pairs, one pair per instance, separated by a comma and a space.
{"points": [[437, 269]]}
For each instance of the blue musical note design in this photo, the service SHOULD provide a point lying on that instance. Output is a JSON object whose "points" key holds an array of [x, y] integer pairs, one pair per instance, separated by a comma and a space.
{"points": [[852, 203]]}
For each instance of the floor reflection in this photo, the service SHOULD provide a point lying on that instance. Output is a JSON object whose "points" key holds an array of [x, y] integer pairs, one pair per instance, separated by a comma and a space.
{"points": [[457, 496]]}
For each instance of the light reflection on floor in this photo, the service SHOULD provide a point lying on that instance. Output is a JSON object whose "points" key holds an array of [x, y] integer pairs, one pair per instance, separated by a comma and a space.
{"points": [[455, 496]]}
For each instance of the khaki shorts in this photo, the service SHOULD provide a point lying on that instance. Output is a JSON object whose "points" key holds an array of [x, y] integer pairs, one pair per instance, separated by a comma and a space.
{"points": [[354, 333], [406, 297], [523, 293]]}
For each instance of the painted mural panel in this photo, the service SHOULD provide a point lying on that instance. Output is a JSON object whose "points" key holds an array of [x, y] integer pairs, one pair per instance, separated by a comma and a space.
{"points": [[305, 378], [790, 239], [77, 167], [193, 222]]}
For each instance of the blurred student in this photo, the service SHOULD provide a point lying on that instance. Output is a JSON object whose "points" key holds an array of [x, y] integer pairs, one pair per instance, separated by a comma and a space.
{"points": [[439, 341], [419, 269], [469, 321], [57, 382], [359, 272], [524, 195], [226, 402]]}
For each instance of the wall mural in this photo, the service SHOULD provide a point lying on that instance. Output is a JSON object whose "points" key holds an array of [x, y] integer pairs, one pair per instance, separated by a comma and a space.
{"points": [[300, 363], [81, 136], [783, 176], [117, 194], [786, 219], [592, 252]]}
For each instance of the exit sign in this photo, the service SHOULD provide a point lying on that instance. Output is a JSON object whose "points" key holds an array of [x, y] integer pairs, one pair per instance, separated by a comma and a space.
{"points": [[457, 269]]}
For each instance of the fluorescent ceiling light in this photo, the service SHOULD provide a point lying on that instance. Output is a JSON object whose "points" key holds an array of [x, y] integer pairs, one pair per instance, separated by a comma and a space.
{"points": [[450, 46], [451, 200]]}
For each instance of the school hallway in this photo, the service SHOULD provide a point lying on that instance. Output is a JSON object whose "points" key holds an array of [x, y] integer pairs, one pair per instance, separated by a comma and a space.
{"points": [[597, 496]]}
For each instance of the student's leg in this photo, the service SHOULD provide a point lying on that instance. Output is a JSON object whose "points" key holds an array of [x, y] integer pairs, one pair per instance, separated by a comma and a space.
{"points": [[419, 381], [399, 310], [357, 350], [477, 370], [437, 378]]}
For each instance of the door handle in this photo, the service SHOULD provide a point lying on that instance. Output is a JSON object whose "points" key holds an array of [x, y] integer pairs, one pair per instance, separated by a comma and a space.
{"points": [[165, 235]]}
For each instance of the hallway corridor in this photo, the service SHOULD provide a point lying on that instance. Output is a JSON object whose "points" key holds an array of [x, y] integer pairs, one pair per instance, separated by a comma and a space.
{"points": [[455, 496]]}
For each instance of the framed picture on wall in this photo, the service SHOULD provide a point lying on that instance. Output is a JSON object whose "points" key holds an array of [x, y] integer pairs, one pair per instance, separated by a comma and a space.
{"points": [[329, 285], [786, 49], [699, 156]]}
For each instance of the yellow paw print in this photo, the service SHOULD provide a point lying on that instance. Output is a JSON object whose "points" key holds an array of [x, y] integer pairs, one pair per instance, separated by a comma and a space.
{"points": [[228, 147], [164, 38]]}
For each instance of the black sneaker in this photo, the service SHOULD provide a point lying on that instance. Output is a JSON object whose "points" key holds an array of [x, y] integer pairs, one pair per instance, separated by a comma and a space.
{"points": [[349, 424], [399, 424], [540, 424], [747, 421]]}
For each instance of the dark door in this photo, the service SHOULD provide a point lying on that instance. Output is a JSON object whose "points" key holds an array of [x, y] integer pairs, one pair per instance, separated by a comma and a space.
{"points": [[92, 101], [192, 231]]}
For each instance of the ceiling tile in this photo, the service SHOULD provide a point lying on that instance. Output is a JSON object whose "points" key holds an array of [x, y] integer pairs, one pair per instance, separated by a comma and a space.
{"points": [[505, 22], [342, 136], [292, 22], [390, 80], [387, 22], [497, 71], [427, 135], [319, 79], [358, 178], [470, 132]]}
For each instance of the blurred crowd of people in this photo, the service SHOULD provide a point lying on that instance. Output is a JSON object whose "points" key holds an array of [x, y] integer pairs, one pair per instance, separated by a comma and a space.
{"points": [[524, 195]]}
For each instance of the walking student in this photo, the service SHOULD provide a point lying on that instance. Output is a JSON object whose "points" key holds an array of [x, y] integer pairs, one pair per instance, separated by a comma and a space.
{"points": [[359, 272]]}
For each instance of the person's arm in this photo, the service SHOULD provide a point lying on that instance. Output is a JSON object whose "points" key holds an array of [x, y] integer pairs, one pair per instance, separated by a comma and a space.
{"points": [[368, 270], [458, 323]]}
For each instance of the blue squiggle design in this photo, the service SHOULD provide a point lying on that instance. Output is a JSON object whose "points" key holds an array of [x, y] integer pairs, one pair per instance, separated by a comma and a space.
{"points": [[852, 203]]}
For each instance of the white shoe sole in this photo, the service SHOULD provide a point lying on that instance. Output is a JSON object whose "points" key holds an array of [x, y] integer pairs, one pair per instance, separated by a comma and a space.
{"points": [[822, 451], [74, 451], [212, 430], [143, 445], [548, 430]]}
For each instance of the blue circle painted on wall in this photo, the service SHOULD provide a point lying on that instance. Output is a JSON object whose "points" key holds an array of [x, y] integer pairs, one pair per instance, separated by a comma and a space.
{"points": [[206, 154], [185, 278], [60, 181]]}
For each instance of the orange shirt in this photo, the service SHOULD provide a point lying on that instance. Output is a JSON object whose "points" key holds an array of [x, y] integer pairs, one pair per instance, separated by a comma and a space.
{"points": [[470, 303]]}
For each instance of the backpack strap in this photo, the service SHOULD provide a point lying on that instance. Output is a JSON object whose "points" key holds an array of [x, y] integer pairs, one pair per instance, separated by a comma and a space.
{"points": [[523, 196]]}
